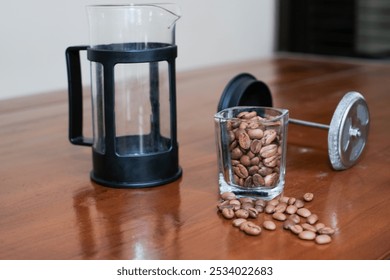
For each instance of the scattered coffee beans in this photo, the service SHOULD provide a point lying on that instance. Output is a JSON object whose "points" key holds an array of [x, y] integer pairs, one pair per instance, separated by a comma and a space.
{"points": [[291, 211]]}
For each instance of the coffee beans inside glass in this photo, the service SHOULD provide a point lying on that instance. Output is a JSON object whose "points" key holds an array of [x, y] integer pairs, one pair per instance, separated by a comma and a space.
{"points": [[251, 146]]}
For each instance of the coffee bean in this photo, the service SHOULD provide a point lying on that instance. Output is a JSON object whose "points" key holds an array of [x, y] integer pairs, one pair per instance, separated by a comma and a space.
{"points": [[253, 213], [303, 212], [228, 196], [307, 235], [243, 125], [269, 136], [231, 135], [253, 171], [269, 209], [281, 207], [270, 179], [269, 225], [233, 124], [291, 209], [256, 134], [248, 182], [264, 171], [259, 208], [249, 115], [250, 228], [271, 161], [244, 140], [312, 219], [238, 222], [253, 123], [246, 200], [299, 203], [319, 226], [323, 239], [224, 204], [260, 202], [308, 197], [284, 199], [280, 150], [246, 205], [273, 202], [279, 216], [241, 171], [250, 155], [297, 229], [255, 163], [245, 160], [291, 200], [258, 180], [227, 213], [295, 218], [236, 153], [235, 203], [242, 213], [326, 230], [309, 227], [268, 151], [242, 114]]}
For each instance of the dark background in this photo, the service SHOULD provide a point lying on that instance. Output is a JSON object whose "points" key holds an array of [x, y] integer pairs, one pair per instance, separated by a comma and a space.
{"points": [[354, 28]]}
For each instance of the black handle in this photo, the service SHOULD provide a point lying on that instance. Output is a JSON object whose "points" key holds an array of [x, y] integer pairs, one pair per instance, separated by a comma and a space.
{"points": [[75, 91]]}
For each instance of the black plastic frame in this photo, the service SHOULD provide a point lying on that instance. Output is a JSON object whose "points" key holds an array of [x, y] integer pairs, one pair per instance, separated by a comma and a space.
{"points": [[111, 169]]}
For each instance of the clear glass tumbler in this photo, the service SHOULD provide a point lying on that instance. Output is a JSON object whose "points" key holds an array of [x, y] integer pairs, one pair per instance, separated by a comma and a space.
{"points": [[251, 146]]}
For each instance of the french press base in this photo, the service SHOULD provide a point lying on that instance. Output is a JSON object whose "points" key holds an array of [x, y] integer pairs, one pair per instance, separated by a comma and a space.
{"points": [[137, 172]]}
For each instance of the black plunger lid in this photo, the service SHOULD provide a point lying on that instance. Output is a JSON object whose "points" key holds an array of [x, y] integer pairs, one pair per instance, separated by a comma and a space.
{"points": [[245, 90]]}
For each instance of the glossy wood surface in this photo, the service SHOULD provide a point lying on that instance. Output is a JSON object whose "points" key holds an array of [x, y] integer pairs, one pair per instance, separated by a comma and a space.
{"points": [[49, 208]]}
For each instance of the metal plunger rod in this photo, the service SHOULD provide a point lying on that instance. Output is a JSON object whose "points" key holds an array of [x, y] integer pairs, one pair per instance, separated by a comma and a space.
{"points": [[306, 123]]}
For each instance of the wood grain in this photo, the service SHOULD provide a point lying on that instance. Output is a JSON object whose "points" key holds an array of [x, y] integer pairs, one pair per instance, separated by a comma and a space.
{"points": [[49, 209]]}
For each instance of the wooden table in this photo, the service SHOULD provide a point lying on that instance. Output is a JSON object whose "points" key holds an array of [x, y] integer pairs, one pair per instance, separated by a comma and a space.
{"points": [[49, 208]]}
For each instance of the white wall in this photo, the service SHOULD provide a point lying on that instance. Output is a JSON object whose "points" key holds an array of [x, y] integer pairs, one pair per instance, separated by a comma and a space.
{"points": [[35, 34]]}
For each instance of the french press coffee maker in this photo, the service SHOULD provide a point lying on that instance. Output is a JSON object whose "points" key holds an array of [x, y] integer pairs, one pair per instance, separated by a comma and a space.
{"points": [[132, 56]]}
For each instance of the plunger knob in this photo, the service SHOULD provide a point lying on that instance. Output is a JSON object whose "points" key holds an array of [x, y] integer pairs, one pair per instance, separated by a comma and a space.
{"points": [[348, 130]]}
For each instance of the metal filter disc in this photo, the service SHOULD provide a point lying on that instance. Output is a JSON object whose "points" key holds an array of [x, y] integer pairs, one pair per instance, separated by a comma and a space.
{"points": [[348, 131]]}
